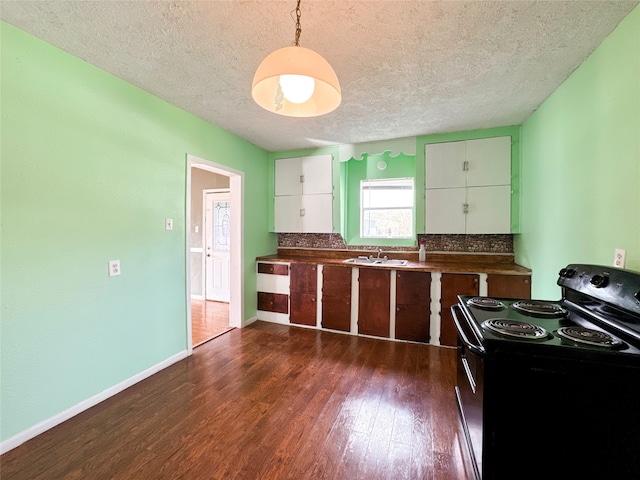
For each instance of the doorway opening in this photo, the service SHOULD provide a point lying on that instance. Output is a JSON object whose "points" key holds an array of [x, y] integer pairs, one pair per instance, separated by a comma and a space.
{"points": [[214, 250]]}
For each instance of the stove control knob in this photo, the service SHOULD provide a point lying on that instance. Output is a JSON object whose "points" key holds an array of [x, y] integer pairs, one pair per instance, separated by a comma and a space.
{"points": [[599, 281], [567, 273]]}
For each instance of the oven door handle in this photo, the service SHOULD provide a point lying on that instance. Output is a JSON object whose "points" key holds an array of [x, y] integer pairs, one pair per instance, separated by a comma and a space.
{"points": [[477, 349]]}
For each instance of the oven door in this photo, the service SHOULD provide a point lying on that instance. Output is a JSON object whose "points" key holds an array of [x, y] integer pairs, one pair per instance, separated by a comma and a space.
{"points": [[469, 387]]}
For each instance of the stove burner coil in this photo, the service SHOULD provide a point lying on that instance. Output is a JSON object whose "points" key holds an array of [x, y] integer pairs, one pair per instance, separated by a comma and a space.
{"points": [[485, 303], [589, 336], [537, 308], [515, 328]]}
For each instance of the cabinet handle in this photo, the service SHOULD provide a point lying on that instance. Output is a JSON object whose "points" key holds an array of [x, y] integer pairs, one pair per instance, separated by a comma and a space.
{"points": [[301, 178], [465, 166], [302, 212], [526, 280], [465, 208]]}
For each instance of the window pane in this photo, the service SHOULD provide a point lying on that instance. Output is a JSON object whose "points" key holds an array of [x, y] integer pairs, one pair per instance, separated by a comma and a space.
{"points": [[397, 223], [387, 208]]}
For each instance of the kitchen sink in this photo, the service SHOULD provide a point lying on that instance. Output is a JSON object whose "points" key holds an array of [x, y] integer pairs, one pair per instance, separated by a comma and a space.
{"points": [[383, 262]]}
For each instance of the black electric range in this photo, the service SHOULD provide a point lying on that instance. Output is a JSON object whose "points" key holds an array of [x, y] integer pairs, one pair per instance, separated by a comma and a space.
{"points": [[551, 389]]}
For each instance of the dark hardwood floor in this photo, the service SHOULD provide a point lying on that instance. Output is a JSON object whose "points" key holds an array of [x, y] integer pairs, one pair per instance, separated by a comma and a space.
{"points": [[267, 402], [208, 320]]}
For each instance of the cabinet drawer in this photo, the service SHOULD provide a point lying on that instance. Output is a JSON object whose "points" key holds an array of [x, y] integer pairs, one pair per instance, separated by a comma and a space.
{"points": [[273, 268], [273, 302]]}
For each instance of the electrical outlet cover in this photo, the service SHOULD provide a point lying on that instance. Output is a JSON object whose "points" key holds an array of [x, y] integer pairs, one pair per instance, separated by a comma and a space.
{"points": [[619, 258], [114, 268]]}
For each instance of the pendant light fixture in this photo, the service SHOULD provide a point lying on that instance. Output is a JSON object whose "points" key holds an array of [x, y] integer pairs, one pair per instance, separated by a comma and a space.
{"points": [[296, 82]]}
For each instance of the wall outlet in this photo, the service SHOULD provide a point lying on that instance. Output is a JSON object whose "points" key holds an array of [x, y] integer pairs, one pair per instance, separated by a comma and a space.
{"points": [[619, 258], [114, 268], [168, 224]]}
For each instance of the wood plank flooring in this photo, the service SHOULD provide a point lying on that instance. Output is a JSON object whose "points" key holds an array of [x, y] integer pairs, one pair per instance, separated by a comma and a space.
{"points": [[208, 320], [267, 402]]}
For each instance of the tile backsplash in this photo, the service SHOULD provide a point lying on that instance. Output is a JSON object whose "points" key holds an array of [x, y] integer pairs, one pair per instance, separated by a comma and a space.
{"points": [[434, 243]]}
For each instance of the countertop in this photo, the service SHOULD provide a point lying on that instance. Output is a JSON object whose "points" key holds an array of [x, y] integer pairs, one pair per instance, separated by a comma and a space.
{"points": [[436, 262]]}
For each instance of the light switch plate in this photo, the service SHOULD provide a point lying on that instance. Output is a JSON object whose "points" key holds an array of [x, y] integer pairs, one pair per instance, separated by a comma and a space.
{"points": [[114, 268], [168, 224]]}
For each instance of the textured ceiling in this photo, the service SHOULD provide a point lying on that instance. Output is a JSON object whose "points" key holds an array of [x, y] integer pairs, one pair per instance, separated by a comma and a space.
{"points": [[405, 67]]}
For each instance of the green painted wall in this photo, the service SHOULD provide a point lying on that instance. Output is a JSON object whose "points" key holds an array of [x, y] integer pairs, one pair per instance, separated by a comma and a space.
{"points": [[581, 165], [400, 166], [90, 168]]}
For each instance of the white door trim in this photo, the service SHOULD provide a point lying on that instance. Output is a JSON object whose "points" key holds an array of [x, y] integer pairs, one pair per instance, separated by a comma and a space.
{"points": [[236, 276]]}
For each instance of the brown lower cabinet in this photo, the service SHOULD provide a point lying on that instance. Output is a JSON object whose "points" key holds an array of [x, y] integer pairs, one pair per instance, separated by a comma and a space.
{"points": [[336, 298], [413, 299], [452, 285], [374, 302], [303, 281], [273, 302], [508, 286]]}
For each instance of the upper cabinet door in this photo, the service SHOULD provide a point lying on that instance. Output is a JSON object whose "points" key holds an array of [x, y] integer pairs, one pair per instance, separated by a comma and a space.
{"points": [[445, 210], [444, 165], [288, 212], [288, 175], [317, 213], [489, 162], [317, 175], [303, 175], [489, 210]]}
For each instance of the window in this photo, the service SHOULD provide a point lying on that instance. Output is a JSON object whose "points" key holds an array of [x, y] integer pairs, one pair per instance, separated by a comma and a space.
{"points": [[386, 208]]}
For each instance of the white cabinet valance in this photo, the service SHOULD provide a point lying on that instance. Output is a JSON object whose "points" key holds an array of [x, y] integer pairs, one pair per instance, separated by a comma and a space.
{"points": [[396, 146]]}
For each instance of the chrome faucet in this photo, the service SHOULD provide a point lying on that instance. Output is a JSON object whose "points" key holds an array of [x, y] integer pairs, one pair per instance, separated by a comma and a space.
{"points": [[379, 252]]}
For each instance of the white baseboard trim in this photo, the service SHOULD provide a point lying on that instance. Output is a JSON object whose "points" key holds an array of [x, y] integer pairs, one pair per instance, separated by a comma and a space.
{"points": [[249, 321], [57, 419]]}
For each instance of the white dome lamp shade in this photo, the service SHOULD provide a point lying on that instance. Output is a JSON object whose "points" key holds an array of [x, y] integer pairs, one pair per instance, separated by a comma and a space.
{"points": [[296, 82]]}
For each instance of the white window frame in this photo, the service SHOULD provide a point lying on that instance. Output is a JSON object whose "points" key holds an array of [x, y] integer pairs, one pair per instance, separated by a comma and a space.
{"points": [[409, 183]]}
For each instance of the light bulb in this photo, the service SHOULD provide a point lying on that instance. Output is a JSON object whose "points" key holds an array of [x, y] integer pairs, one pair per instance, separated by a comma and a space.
{"points": [[297, 88]]}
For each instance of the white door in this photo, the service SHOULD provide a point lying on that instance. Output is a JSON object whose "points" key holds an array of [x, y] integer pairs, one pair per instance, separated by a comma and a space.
{"points": [[217, 245]]}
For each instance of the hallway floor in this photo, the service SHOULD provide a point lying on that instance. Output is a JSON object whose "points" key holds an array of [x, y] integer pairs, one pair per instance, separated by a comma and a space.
{"points": [[208, 320]]}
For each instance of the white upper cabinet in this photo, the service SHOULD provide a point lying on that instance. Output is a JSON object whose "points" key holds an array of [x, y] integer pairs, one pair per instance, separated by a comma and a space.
{"points": [[304, 195], [470, 163], [489, 162], [468, 186], [445, 165], [304, 175]]}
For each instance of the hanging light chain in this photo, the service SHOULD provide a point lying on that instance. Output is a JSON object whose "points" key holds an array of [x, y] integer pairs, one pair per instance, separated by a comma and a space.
{"points": [[298, 27]]}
